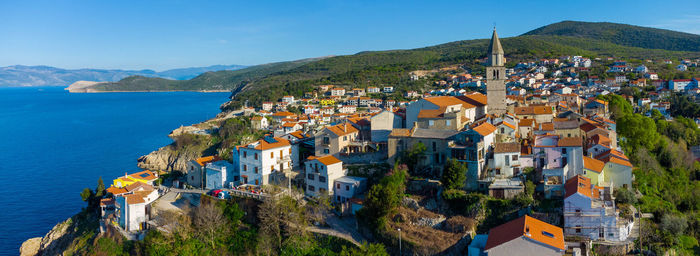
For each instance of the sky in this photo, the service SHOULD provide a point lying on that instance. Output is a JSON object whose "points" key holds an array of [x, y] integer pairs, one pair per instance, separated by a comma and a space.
{"points": [[169, 34]]}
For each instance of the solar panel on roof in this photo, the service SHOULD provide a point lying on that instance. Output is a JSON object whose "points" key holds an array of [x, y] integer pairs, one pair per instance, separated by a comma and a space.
{"points": [[270, 139]]}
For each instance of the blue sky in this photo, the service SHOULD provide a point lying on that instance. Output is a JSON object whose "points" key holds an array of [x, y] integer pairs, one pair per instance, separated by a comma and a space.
{"points": [[171, 34]]}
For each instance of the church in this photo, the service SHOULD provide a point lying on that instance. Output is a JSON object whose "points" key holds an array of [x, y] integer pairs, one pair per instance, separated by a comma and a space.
{"points": [[496, 77]]}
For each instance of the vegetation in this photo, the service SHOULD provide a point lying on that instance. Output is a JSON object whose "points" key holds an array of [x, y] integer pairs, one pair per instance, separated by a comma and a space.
{"points": [[666, 174], [454, 175], [622, 34], [383, 199]]}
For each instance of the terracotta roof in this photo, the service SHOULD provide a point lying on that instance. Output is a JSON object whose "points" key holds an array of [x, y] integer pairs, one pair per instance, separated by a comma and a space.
{"points": [[587, 127], [297, 134], [262, 144], [400, 132], [578, 184], [506, 147], [529, 228], [257, 118], [548, 126], [107, 201], [207, 159], [137, 185], [616, 161], [593, 164], [476, 99], [601, 139], [116, 190], [570, 142], [134, 199], [526, 122], [533, 110], [342, 129], [283, 114], [507, 124], [289, 124], [484, 129], [144, 175], [431, 113], [326, 160]]}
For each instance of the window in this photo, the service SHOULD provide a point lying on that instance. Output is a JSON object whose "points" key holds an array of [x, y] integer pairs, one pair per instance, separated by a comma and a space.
{"points": [[272, 168], [345, 138], [347, 187], [503, 130], [272, 154], [326, 151], [514, 157], [245, 154], [545, 233], [431, 123], [507, 161], [256, 169], [245, 167], [337, 185], [322, 179], [584, 172], [290, 151], [578, 228], [192, 168], [563, 150], [281, 154], [311, 188], [434, 146], [338, 198], [326, 140], [516, 170], [256, 156], [310, 176], [448, 122]]}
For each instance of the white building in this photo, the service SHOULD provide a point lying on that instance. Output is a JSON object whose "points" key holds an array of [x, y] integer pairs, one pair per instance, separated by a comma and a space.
{"points": [[220, 174], [589, 211], [261, 158], [506, 158], [388, 89], [337, 91], [132, 207], [347, 187], [321, 173]]}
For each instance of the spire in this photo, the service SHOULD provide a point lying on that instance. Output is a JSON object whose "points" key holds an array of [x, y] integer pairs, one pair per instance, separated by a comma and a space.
{"points": [[495, 44], [495, 51]]}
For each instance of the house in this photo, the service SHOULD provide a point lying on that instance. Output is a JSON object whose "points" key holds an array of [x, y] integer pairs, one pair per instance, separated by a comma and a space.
{"points": [[337, 91], [506, 132], [196, 170], [558, 158], [321, 173], [473, 148], [347, 187], [259, 159], [388, 89], [333, 140], [357, 92], [523, 236], [382, 124], [589, 211], [506, 188], [259, 122], [618, 169], [290, 127], [568, 128], [132, 208], [372, 90], [542, 114], [436, 144], [593, 169], [682, 67], [506, 159], [347, 109], [279, 116], [267, 106], [468, 107], [221, 174], [147, 177], [678, 85], [288, 99]]}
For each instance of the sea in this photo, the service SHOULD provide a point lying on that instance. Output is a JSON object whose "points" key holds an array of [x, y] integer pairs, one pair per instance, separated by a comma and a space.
{"points": [[54, 143]]}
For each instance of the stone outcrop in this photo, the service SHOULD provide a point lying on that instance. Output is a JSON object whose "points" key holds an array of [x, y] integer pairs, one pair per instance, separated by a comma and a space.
{"points": [[81, 86], [167, 159], [60, 238], [30, 247]]}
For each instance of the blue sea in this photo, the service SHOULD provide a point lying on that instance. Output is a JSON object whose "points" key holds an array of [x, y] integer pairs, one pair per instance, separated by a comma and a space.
{"points": [[54, 143]]}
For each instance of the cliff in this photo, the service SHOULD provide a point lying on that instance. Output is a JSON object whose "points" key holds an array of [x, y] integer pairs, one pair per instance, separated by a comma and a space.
{"points": [[81, 86], [167, 159], [68, 237]]}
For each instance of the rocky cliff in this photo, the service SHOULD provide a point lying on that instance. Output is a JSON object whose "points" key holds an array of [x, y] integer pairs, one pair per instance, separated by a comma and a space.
{"points": [[67, 237], [167, 159]]}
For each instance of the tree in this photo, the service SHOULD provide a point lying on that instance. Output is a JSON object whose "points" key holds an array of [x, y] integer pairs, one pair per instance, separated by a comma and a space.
{"points": [[86, 195], [624, 196], [100, 190], [455, 174], [210, 224], [365, 250], [413, 156], [384, 197]]}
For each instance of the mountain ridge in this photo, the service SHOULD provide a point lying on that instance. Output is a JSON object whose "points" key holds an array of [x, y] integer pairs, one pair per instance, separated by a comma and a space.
{"points": [[42, 75]]}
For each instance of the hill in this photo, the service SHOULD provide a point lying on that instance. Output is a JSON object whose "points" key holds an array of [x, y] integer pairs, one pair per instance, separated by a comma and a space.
{"points": [[19, 75], [218, 80], [623, 34]]}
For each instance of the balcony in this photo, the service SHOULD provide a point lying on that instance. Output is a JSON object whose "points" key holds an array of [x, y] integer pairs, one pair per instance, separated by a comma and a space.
{"points": [[284, 159]]}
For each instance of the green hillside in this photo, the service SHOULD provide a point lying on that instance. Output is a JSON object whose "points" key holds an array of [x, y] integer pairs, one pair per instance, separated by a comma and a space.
{"points": [[392, 67], [219, 80], [623, 34]]}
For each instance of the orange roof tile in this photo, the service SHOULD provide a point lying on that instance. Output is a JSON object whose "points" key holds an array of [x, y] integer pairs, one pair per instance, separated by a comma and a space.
{"points": [[207, 159], [262, 144], [527, 227], [116, 190], [578, 184], [570, 142], [593, 164], [144, 175], [617, 161], [400, 132], [485, 129], [283, 114], [326, 160], [342, 129], [431, 113]]}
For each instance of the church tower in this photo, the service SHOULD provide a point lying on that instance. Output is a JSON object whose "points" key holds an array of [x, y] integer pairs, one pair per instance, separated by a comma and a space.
{"points": [[496, 78]]}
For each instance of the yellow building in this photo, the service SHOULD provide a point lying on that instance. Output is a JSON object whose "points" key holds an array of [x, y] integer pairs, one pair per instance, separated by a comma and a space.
{"points": [[326, 102], [593, 169], [146, 177]]}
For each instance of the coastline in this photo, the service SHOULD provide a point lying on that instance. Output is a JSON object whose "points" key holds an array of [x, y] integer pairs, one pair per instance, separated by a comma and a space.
{"points": [[95, 91]]}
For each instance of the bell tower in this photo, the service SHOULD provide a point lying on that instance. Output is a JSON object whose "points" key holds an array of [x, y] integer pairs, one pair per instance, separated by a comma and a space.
{"points": [[496, 77]]}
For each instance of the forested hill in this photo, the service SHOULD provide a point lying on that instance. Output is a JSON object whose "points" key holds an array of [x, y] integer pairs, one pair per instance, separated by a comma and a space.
{"points": [[623, 34], [375, 68]]}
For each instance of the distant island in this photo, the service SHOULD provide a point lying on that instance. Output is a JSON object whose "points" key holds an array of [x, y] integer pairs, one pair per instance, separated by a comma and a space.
{"points": [[19, 75]]}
